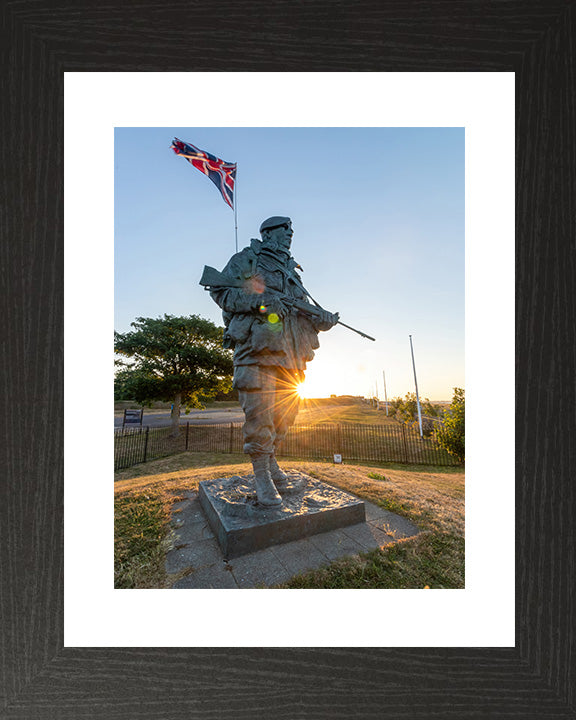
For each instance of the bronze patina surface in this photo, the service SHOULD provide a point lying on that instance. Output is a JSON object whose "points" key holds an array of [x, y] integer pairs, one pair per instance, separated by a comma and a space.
{"points": [[242, 525], [272, 324]]}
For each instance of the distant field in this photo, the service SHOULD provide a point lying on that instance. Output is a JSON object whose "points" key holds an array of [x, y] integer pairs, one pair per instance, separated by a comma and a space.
{"points": [[313, 412]]}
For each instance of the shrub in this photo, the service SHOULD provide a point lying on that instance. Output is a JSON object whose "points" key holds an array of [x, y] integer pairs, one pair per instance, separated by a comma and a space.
{"points": [[450, 435]]}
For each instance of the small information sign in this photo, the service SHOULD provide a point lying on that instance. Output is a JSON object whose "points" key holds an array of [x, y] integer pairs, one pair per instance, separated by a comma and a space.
{"points": [[133, 417], [337, 458]]}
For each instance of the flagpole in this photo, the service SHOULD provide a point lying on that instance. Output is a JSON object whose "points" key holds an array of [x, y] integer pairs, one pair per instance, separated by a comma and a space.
{"points": [[235, 210], [385, 395], [416, 383]]}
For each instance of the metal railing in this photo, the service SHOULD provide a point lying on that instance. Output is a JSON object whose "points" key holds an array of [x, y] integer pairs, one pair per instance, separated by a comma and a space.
{"points": [[379, 443]]}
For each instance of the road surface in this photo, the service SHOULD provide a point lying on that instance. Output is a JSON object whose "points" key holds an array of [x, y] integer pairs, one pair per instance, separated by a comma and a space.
{"points": [[161, 418]]}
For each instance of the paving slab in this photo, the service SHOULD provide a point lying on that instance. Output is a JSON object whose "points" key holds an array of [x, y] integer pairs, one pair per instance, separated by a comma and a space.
{"points": [[299, 556], [217, 577], [188, 510], [189, 532], [259, 569], [368, 536], [373, 512], [196, 555], [336, 544], [396, 525], [202, 556], [181, 505]]}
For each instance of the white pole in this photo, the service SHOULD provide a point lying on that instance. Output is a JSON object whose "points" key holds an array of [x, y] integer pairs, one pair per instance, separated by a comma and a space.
{"points": [[416, 383], [385, 395]]}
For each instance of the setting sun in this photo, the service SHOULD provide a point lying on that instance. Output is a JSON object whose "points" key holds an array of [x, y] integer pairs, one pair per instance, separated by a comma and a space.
{"points": [[321, 381], [313, 388], [303, 391], [326, 376]]}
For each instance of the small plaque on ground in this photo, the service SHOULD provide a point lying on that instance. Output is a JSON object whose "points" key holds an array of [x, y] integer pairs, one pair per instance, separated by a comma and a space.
{"points": [[243, 526]]}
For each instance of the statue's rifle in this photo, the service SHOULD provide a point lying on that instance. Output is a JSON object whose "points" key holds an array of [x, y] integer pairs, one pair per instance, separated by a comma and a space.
{"points": [[212, 278]]}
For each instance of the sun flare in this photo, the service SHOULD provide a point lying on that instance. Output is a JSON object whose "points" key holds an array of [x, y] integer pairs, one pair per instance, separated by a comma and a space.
{"points": [[303, 391]]}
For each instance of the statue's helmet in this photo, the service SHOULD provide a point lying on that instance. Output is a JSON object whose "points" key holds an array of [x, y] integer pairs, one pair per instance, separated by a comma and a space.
{"points": [[274, 222]]}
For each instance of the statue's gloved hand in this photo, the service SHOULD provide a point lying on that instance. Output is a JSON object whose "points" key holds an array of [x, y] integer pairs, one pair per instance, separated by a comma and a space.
{"points": [[268, 303], [327, 320]]}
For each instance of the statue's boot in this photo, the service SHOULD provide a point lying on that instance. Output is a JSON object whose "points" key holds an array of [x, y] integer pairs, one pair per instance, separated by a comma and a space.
{"points": [[265, 488], [278, 475]]}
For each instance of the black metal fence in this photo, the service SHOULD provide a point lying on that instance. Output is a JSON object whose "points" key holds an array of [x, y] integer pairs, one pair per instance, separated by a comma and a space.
{"points": [[379, 443]]}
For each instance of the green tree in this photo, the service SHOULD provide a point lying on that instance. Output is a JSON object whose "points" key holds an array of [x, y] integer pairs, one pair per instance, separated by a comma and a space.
{"points": [[450, 435], [172, 359], [406, 409]]}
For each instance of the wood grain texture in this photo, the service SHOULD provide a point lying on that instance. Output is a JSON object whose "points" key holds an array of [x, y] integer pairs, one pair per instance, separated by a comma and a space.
{"points": [[40, 679]]}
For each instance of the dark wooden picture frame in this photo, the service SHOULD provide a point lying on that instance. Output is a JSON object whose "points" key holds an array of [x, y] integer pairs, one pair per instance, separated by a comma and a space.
{"points": [[41, 679]]}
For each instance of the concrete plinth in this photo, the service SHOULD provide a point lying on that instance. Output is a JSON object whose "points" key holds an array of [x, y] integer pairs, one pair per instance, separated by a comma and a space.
{"points": [[243, 526]]}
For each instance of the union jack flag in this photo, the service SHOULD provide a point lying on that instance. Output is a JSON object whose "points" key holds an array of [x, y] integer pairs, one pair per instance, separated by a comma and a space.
{"points": [[222, 174]]}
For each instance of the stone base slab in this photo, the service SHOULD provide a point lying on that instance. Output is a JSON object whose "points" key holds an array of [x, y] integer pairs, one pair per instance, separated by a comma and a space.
{"points": [[243, 526]]}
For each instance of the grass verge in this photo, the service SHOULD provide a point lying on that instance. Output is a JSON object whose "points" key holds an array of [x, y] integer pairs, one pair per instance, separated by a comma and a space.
{"points": [[433, 498], [141, 539], [430, 560]]}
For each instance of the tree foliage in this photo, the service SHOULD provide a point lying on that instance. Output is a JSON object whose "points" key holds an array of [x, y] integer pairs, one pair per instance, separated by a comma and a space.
{"points": [[406, 409], [173, 359], [450, 435]]}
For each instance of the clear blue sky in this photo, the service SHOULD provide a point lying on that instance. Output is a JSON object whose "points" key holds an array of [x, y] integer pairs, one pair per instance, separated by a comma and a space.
{"points": [[378, 217]]}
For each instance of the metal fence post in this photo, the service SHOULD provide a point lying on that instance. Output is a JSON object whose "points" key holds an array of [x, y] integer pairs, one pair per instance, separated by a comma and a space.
{"points": [[187, 433], [405, 443], [146, 443], [231, 448]]}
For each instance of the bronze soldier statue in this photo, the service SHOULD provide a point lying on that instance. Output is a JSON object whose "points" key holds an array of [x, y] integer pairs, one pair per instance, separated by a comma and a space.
{"points": [[273, 329]]}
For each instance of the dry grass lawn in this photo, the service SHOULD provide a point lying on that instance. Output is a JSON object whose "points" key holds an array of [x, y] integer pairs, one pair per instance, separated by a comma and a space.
{"points": [[313, 412], [433, 498]]}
